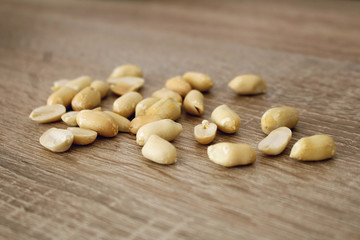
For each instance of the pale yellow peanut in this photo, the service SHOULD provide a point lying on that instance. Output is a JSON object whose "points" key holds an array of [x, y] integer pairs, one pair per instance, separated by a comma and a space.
{"points": [[231, 154], [248, 84], [165, 128], [79, 83], [205, 132], [96, 109], [87, 98], [57, 140], [226, 119], [179, 85], [62, 96], [194, 103], [123, 122], [167, 93], [159, 150], [199, 81], [102, 123], [59, 84], [276, 142], [165, 108], [143, 105], [125, 105], [127, 70], [47, 113], [314, 148], [140, 121], [101, 86], [279, 117], [70, 118], [120, 86], [82, 136]]}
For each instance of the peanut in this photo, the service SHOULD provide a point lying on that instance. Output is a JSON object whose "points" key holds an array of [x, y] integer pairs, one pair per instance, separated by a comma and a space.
{"points": [[276, 142], [102, 123], [226, 119], [48, 113], [101, 87], [82, 136], [279, 117], [62, 96], [120, 86], [122, 122], [125, 105], [165, 108], [205, 132], [194, 103], [140, 121], [167, 93], [199, 81], [143, 105], [57, 140], [70, 118], [248, 84], [87, 98], [179, 85], [127, 70], [159, 150]]}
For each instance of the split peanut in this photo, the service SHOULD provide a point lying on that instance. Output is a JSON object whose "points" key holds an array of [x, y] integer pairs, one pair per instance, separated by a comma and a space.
{"points": [[123, 85], [314, 148], [167, 93], [62, 96], [48, 113], [70, 118], [165, 108], [159, 150], [101, 87], [226, 119], [279, 117], [199, 81], [231, 154], [125, 105], [140, 121], [79, 83], [179, 85], [127, 70], [276, 142], [194, 103], [122, 122], [143, 105], [102, 123], [59, 84], [57, 140], [205, 132], [87, 98], [248, 84], [82, 136]]}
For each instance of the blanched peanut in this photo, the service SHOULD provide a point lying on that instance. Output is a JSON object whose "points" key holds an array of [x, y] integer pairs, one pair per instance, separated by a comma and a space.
{"points": [[314, 148], [127, 70], [96, 109], [57, 140], [194, 103], [165, 108], [248, 84], [102, 123], [120, 86], [62, 96], [79, 83], [159, 150], [87, 98], [231, 154], [125, 105], [226, 119], [82, 136], [276, 141], [59, 84], [70, 118], [279, 117], [205, 132], [199, 81], [165, 128], [123, 122], [143, 105], [48, 113], [101, 87], [140, 121], [179, 85], [167, 93]]}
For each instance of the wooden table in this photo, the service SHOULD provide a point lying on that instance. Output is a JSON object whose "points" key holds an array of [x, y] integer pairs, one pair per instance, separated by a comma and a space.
{"points": [[307, 51]]}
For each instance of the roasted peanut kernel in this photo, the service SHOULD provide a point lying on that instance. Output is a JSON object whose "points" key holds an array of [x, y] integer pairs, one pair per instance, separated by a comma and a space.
{"points": [[205, 132], [279, 117], [140, 121], [48, 113], [70, 118], [123, 122], [143, 105], [179, 85], [194, 103], [165, 128], [82, 136], [57, 140], [101, 87], [102, 123], [167, 93], [125, 105], [314, 148], [199, 81], [231, 154], [87, 98], [59, 84], [120, 86], [165, 108], [159, 150], [62, 96], [79, 83], [226, 119], [248, 84], [96, 109], [127, 70], [276, 142]]}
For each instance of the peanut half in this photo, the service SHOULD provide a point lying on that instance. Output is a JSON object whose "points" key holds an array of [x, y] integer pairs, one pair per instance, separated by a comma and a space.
{"points": [[87, 98], [59, 84], [314, 148], [226, 119], [199, 81], [167, 93], [279, 117], [80, 83], [248, 84], [102, 123], [159, 150], [140, 121], [127, 70], [125, 105], [70, 118], [276, 142], [179, 85], [194, 103], [62, 96], [205, 132], [231, 154], [120, 86], [143, 105], [122, 122], [165, 108], [101, 87], [48, 113], [57, 140], [82, 136]]}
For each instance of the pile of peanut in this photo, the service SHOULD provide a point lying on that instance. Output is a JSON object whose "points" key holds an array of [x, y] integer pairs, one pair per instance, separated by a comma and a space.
{"points": [[155, 118]]}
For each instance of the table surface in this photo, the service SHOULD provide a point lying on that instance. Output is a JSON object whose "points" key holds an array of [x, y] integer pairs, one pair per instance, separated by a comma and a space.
{"points": [[307, 51]]}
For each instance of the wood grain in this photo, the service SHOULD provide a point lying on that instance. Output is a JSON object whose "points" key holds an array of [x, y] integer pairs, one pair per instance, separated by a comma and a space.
{"points": [[307, 51]]}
